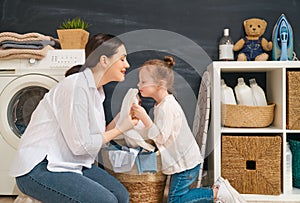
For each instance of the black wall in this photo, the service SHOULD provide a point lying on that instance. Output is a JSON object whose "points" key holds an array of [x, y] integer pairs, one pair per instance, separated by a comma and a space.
{"points": [[202, 21]]}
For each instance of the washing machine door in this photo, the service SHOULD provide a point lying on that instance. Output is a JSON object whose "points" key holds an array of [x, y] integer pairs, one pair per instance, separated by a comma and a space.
{"points": [[17, 102]]}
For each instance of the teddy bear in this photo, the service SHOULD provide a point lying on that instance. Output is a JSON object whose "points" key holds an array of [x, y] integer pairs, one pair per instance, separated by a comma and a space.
{"points": [[253, 46]]}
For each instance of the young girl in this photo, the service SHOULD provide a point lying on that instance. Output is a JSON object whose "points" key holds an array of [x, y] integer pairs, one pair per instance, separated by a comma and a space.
{"points": [[170, 131]]}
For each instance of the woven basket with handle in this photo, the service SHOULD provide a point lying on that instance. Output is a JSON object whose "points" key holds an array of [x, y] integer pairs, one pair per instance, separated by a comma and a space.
{"points": [[247, 116]]}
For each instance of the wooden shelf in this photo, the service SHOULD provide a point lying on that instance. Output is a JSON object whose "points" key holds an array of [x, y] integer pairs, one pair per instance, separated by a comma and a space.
{"points": [[275, 83]]}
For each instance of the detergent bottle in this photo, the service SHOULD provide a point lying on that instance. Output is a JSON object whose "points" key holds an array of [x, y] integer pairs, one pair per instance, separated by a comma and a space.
{"points": [[226, 47], [227, 95], [288, 168], [243, 93], [258, 94]]}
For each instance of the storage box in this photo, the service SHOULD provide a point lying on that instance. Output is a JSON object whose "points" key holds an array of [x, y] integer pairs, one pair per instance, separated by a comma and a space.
{"points": [[293, 100], [252, 164], [247, 116], [295, 148]]}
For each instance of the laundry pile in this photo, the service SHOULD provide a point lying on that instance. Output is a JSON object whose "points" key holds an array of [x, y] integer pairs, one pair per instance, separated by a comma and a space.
{"points": [[29, 45], [136, 149], [123, 159]]}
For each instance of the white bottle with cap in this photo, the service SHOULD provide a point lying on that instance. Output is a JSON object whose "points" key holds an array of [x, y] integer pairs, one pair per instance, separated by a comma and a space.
{"points": [[243, 93], [259, 97], [227, 95], [288, 169], [226, 47]]}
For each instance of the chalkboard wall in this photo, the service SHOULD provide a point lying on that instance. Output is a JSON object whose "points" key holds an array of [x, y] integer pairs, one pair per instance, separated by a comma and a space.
{"points": [[201, 21]]}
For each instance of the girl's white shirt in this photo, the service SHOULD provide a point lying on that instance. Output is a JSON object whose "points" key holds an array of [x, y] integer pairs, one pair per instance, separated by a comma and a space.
{"points": [[66, 127], [173, 137]]}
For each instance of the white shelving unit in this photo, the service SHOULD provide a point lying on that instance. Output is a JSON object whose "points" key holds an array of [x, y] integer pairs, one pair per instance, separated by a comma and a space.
{"points": [[275, 72]]}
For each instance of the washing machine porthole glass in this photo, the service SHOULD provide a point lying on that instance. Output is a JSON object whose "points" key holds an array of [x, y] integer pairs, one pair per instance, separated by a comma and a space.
{"points": [[21, 106]]}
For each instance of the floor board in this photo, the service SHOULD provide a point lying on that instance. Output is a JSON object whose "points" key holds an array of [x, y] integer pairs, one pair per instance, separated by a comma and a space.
{"points": [[7, 199], [10, 199]]}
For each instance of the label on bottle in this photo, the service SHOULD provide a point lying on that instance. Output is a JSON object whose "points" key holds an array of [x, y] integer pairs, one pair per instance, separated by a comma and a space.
{"points": [[226, 52]]}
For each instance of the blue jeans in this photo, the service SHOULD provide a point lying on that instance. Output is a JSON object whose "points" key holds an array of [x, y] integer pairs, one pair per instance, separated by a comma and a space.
{"points": [[94, 186], [180, 191]]}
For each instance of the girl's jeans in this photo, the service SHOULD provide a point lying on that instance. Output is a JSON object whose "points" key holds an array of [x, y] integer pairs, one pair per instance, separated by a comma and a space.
{"points": [[95, 185], [180, 191]]}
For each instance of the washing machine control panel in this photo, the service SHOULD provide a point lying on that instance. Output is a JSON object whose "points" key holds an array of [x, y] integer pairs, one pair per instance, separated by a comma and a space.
{"points": [[56, 62], [66, 58], [58, 59]]}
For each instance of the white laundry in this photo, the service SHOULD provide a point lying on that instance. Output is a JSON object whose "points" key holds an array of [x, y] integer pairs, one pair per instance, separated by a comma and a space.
{"points": [[122, 160], [133, 137]]}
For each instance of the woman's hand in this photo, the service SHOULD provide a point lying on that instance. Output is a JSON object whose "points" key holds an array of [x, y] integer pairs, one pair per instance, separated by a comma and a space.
{"points": [[126, 124], [140, 113], [121, 126]]}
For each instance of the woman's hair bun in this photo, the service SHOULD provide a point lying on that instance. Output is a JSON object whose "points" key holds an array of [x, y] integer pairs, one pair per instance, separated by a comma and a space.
{"points": [[170, 61]]}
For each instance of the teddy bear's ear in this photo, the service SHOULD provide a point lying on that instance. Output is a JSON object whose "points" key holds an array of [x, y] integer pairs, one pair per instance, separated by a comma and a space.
{"points": [[245, 23], [264, 25]]}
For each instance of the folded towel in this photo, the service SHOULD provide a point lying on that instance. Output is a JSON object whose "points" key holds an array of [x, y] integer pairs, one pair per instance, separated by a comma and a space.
{"points": [[24, 53], [33, 36], [26, 44]]}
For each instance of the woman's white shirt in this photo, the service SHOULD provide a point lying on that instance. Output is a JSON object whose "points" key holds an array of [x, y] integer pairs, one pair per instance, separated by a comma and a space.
{"points": [[173, 137], [66, 127]]}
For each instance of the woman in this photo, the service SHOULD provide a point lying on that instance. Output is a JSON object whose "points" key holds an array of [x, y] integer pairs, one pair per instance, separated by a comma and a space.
{"points": [[55, 159]]}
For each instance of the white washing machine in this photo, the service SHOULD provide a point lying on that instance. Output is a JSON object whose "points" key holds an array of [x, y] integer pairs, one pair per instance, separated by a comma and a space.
{"points": [[23, 82]]}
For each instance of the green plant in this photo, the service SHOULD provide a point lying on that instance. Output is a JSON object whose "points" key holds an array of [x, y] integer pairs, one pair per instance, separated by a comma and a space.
{"points": [[75, 23]]}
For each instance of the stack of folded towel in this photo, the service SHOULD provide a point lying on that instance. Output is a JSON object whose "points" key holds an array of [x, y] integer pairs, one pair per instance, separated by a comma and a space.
{"points": [[29, 45]]}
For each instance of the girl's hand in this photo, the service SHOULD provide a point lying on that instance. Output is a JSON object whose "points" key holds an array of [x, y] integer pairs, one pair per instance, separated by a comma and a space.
{"points": [[140, 113]]}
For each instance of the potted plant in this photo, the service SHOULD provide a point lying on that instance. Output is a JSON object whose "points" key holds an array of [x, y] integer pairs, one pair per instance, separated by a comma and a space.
{"points": [[72, 33]]}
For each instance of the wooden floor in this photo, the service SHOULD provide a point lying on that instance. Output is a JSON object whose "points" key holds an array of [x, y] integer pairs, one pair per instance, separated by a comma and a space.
{"points": [[8, 199]]}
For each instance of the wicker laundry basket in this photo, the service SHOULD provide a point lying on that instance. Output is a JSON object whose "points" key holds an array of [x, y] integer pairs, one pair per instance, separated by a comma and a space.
{"points": [[143, 188], [293, 100], [252, 164], [247, 116]]}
